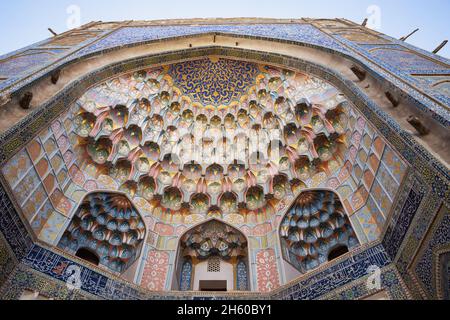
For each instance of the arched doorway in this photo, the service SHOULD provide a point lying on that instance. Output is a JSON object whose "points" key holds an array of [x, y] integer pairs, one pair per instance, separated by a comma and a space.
{"points": [[212, 257], [315, 230]]}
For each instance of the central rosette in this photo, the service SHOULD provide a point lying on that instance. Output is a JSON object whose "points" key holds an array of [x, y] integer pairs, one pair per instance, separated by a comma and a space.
{"points": [[213, 81], [212, 136]]}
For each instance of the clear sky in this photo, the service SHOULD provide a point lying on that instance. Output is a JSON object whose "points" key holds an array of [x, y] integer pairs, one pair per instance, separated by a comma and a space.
{"points": [[23, 22]]}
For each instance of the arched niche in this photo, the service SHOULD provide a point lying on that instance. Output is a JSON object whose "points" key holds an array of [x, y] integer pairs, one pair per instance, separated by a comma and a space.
{"points": [[106, 230], [315, 230], [212, 256]]}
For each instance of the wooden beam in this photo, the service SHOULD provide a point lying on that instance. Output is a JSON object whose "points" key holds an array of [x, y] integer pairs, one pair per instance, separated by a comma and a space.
{"points": [[52, 32], [409, 35], [440, 46]]}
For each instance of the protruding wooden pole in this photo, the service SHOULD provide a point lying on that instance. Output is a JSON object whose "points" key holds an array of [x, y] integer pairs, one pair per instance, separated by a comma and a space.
{"points": [[52, 32], [395, 102], [409, 35], [25, 100], [440, 46], [418, 125], [361, 74], [55, 76]]}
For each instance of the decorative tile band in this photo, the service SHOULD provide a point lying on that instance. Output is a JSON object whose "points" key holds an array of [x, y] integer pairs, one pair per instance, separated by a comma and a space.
{"points": [[12, 228], [400, 223], [391, 283], [336, 276]]}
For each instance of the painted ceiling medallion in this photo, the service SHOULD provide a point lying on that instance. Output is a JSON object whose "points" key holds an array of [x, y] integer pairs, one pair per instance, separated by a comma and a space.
{"points": [[214, 81], [154, 133]]}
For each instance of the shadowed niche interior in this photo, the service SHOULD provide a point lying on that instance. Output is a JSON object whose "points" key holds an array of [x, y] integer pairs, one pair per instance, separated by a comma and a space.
{"points": [[106, 231], [213, 257], [316, 230], [88, 255]]}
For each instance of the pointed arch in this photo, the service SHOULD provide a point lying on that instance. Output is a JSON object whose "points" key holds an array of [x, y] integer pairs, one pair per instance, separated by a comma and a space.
{"points": [[230, 246]]}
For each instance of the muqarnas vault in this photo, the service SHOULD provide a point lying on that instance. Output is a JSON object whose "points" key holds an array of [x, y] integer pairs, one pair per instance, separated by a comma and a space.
{"points": [[225, 158]]}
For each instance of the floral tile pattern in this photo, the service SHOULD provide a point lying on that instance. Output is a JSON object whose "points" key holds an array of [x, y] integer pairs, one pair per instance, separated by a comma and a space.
{"points": [[155, 271], [267, 271]]}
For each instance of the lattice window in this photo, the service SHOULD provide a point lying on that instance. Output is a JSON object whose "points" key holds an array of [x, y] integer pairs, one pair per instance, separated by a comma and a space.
{"points": [[214, 264]]}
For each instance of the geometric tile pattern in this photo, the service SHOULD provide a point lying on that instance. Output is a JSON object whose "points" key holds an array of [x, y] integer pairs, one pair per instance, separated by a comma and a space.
{"points": [[446, 278], [391, 281], [405, 211], [38, 176], [22, 62], [429, 260], [7, 262], [16, 235], [407, 60], [293, 32], [241, 276], [56, 266], [186, 276], [376, 173]]}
